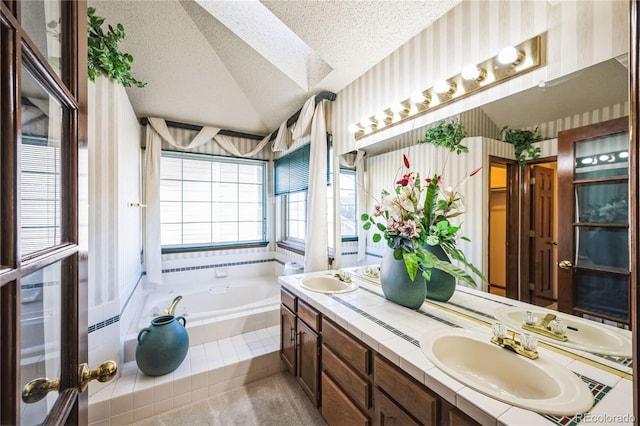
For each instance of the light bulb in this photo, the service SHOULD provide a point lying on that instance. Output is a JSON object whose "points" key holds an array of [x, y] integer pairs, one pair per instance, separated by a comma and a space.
{"points": [[510, 55], [397, 107], [443, 86], [353, 128], [381, 116], [473, 72], [417, 98]]}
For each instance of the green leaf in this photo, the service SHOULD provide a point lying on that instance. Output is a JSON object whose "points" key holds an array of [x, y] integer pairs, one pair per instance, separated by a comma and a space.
{"points": [[364, 217], [366, 226], [381, 227], [411, 264], [105, 57], [377, 238]]}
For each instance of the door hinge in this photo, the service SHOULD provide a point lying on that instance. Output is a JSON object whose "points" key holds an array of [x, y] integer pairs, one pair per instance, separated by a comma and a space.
{"points": [[532, 233], [532, 286], [533, 181], [318, 350]]}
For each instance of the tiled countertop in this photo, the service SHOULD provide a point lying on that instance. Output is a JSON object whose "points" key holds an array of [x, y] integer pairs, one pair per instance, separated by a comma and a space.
{"points": [[394, 331]]}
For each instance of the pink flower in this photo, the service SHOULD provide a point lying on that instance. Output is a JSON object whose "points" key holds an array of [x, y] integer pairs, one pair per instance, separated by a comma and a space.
{"points": [[406, 179], [410, 229]]}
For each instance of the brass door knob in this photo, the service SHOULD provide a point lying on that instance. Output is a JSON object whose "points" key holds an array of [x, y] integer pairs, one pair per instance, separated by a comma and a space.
{"points": [[565, 264], [105, 372], [38, 388]]}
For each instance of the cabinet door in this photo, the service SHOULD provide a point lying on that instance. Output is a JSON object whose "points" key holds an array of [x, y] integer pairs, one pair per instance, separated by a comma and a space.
{"points": [[308, 361], [288, 339], [389, 413], [337, 408]]}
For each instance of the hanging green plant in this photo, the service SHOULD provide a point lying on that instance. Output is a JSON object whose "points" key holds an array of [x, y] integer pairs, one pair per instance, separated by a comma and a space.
{"points": [[522, 141], [448, 135], [105, 58]]}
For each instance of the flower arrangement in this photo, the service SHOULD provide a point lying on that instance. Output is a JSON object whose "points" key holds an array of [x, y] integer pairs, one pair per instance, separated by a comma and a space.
{"points": [[416, 215]]}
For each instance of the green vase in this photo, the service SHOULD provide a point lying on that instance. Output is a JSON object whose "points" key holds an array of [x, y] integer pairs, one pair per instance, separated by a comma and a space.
{"points": [[442, 285], [396, 284], [162, 346]]}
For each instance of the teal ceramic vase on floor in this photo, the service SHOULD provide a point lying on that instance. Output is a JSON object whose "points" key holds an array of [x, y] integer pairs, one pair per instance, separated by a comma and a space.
{"points": [[396, 284], [442, 285], [162, 346]]}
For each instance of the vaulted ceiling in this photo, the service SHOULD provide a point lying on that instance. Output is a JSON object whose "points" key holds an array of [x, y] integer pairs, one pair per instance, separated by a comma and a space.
{"points": [[249, 65]]}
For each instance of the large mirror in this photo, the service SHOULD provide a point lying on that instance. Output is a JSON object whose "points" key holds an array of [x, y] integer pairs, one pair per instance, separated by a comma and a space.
{"points": [[528, 268]]}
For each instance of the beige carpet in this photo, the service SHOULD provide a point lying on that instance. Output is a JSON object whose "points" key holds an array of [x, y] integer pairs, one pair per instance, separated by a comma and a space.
{"points": [[276, 400]]}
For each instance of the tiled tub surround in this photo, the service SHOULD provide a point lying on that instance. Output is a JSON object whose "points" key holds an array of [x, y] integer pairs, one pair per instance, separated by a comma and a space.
{"points": [[231, 342], [213, 310], [393, 331]]}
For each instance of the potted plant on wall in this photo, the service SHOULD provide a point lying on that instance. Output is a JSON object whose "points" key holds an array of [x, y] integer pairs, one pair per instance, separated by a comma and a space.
{"points": [[522, 141], [105, 57], [448, 135]]}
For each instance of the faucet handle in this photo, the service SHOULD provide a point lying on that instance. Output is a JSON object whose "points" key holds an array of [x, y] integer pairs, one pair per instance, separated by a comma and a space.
{"points": [[528, 342], [499, 330]]}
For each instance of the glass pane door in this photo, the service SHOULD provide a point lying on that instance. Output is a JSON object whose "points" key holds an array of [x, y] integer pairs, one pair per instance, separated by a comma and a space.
{"points": [[594, 223]]}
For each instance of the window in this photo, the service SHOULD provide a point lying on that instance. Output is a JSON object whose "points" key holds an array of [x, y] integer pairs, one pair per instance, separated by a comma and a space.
{"points": [[297, 216], [208, 201], [348, 212]]}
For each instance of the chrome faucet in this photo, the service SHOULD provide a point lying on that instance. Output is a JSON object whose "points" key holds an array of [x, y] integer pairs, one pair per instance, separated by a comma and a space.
{"points": [[343, 276], [526, 346], [171, 309]]}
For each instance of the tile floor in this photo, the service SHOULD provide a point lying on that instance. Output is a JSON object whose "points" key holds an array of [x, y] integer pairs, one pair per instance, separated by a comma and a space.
{"points": [[275, 400]]}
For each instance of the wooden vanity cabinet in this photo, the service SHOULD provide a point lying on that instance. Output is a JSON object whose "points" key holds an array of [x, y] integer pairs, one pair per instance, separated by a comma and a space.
{"points": [[346, 378], [351, 383], [400, 399], [300, 343]]}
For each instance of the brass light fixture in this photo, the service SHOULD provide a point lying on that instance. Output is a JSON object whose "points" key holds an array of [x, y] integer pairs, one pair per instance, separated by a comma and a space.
{"points": [[511, 61]]}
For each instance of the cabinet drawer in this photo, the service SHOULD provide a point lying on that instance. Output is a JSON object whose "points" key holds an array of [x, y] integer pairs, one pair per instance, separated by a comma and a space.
{"points": [[413, 396], [289, 300], [358, 389], [309, 315], [346, 347], [337, 408]]}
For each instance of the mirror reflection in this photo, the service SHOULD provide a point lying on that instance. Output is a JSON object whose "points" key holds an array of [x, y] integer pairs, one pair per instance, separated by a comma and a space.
{"points": [[537, 251]]}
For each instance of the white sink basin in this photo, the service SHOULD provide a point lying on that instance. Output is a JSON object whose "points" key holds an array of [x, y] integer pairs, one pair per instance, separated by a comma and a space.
{"points": [[589, 337], [539, 385], [327, 284]]}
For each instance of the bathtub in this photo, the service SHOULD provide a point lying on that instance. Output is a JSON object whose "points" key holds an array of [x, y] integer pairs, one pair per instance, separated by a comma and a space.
{"points": [[213, 310]]}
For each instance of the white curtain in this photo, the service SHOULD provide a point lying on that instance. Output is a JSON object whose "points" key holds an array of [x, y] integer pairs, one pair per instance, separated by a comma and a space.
{"points": [[312, 122], [282, 142], [354, 160], [157, 131]]}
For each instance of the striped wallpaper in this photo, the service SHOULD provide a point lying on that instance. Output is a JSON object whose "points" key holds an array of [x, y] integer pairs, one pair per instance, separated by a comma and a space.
{"points": [[579, 34]]}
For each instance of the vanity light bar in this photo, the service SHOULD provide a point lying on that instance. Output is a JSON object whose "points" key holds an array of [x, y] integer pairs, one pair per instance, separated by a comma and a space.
{"points": [[529, 55]]}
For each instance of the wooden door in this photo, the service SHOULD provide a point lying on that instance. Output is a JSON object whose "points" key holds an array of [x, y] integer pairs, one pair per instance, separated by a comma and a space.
{"points": [[542, 238], [43, 288], [593, 250]]}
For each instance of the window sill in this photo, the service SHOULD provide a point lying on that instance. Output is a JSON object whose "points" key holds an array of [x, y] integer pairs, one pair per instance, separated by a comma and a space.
{"points": [[298, 249], [169, 250]]}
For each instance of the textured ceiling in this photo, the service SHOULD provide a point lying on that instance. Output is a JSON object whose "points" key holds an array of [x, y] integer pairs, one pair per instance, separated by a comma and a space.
{"points": [[248, 65]]}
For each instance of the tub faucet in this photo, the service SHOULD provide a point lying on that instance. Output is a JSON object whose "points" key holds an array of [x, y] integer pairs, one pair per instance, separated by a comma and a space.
{"points": [[171, 309]]}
